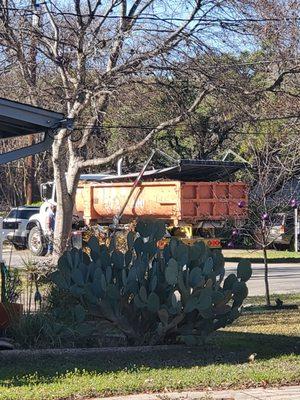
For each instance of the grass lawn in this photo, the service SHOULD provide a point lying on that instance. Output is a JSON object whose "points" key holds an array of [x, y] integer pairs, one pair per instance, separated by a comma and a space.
{"points": [[257, 255], [223, 362], [287, 298]]}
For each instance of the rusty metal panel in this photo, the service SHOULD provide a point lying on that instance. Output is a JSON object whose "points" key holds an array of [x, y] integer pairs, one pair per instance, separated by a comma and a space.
{"points": [[170, 200], [213, 201], [156, 199]]}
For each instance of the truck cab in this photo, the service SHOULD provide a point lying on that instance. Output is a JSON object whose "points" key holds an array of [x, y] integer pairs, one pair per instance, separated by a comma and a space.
{"points": [[282, 231], [36, 227]]}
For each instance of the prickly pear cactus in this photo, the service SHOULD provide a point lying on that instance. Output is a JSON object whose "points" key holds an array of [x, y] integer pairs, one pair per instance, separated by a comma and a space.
{"points": [[154, 295]]}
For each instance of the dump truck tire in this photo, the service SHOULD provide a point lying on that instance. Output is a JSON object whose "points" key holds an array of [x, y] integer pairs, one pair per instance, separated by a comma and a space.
{"points": [[36, 242]]}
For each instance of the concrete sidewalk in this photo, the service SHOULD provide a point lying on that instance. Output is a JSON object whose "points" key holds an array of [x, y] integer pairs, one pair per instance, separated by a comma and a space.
{"points": [[282, 393]]}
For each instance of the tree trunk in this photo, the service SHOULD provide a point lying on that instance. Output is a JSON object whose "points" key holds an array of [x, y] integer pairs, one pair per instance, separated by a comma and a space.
{"points": [[66, 184], [63, 225], [63, 219], [30, 175], [267, 295]]}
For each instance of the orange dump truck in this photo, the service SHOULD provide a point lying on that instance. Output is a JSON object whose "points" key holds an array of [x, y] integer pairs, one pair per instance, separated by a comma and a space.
{"points": [[188, 201], [174, 201], [196, 199]]}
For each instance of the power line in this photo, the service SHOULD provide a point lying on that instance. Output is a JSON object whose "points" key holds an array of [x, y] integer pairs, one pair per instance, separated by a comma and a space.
{"points": [[153, 127], [232, 64], [149, 127], [154, 17]]}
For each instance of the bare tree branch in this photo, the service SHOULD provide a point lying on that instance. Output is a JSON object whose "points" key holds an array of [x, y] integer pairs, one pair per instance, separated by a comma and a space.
{"points": [[137, 146]]}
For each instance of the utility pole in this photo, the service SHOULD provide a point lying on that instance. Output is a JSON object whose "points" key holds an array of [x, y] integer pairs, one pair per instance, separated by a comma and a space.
{"points": [[296, 226], [2, 266], [294, 205]]}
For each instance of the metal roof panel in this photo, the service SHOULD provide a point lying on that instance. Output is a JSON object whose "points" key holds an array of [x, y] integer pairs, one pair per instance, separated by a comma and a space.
{"points": [[19, 119], [185, 170]]}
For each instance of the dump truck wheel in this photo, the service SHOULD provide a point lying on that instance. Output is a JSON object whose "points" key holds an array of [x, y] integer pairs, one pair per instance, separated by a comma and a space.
{"points": [[36, 242]]}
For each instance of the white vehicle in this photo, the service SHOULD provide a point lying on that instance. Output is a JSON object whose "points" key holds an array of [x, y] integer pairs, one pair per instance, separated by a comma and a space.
{"points": [[15, 225], [36, 226]]}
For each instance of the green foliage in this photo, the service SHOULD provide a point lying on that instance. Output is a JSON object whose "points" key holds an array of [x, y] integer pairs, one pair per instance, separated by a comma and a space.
{"points": [[12, 285], [28, 330], [43, 329], [151, 295], [244, 270]]}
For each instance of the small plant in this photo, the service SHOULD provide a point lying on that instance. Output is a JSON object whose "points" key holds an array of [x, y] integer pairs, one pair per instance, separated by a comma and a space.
{"points": [[28, 330], [152, 295], [11, 288], [12, 285], [36, 276], [42, 330]]}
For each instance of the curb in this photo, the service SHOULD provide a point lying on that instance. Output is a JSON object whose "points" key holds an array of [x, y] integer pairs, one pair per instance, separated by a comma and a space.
{"points": [[261, 260], [7, 354], [281, 393]]}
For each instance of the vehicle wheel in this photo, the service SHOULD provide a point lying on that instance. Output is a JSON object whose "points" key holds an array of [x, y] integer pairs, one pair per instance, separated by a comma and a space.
{"points": [[36, 242], [278, 246]]}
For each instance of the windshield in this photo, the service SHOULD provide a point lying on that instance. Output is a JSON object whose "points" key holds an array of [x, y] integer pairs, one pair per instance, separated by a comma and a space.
{"points": [[22, 214], [278, 220]]}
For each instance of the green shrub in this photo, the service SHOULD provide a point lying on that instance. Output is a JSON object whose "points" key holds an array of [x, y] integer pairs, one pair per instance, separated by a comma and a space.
{"points": [[27, 331], [12, 285], [151, 295], [43, 330]]}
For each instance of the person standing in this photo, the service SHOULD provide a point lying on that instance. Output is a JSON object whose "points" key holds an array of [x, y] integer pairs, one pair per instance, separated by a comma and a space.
{"points": [[50, 225]]}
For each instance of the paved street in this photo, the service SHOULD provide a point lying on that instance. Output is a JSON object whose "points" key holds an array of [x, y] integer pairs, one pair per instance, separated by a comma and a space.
{"points": [[284, 278]]}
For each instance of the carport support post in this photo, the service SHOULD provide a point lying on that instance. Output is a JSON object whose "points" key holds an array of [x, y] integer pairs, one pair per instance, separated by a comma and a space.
{"points": [[296, 224], [1, 240], [3, 294]]}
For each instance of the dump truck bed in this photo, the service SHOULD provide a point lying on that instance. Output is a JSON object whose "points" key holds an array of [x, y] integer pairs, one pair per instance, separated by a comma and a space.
{"points": [[171, 200]]}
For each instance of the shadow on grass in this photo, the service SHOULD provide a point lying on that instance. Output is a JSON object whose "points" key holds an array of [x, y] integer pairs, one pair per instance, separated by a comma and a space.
{"points": [[222, 348]]}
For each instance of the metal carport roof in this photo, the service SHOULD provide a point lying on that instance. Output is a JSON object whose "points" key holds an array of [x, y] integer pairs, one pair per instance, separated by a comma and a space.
{"points": [[19, 119], [184, 170], [199, 170]]}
